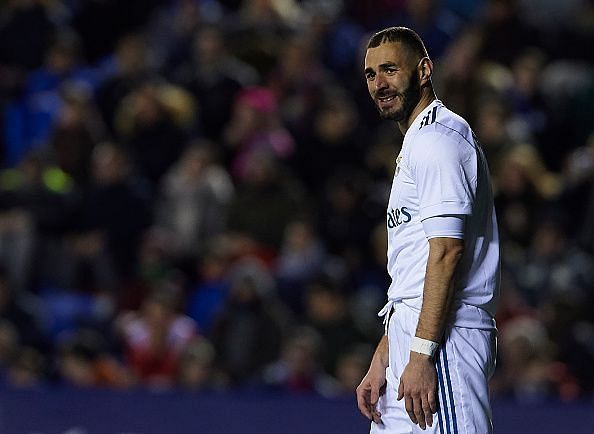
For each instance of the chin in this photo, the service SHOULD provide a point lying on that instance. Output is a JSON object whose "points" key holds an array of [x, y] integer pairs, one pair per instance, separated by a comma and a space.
{"points": [[392, 115]]}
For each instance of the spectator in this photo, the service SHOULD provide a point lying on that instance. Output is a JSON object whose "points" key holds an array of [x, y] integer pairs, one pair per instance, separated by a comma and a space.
{"points": [[344, 222], [266, 202], [351, 367], [196, 367], [155, 337], [84, 362], [522, 184], [298, 370], [194, 195], [492, 130], [26, 30], [458, 71], [526, 371], [153, 123], [553, 267], [297, 81], [132, 69], [505, 32], [327, 313], [577, 198], [255, 129], [77, 129], [38, 203], [29, 120], [173, 27], [26, 369], [301, 258], [249, 331], [266, 24], [112, 216], [207, 300], [435, 24], [19, 311], [215, 77], [336, 139]]}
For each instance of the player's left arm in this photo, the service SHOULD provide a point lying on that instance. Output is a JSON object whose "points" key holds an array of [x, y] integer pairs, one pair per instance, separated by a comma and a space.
{"points": [[438, 291], [418, 383], [444, 181]]}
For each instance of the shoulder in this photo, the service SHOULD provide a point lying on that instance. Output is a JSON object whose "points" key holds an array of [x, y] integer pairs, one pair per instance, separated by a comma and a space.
{"points": [[447, 136]]}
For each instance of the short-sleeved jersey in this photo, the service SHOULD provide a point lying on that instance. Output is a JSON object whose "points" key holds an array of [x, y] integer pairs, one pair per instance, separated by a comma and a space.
{"points": [[441, 170]]}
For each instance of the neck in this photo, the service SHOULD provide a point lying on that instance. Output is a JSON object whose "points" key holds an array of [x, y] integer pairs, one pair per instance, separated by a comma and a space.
{"points": [[427, 97]]}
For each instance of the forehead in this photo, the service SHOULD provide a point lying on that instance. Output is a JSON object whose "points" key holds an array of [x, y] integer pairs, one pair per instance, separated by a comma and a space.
{"points": [[389, 52]]}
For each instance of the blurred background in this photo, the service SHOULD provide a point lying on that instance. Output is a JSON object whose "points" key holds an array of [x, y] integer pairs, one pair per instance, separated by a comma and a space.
{"points": [[192, 199]]}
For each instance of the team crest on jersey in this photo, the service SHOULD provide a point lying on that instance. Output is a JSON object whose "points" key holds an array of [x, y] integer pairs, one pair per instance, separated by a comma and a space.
{"points": [[398, 160]]}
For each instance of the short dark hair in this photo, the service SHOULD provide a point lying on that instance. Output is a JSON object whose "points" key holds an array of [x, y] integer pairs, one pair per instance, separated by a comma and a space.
{"points": [[404, 35]]}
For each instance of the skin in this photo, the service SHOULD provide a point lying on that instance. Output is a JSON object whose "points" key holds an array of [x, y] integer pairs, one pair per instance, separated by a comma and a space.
{"points": [[399, 83], [391, 70]]}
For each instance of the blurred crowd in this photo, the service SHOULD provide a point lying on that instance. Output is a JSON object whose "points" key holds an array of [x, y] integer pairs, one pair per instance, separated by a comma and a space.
{"points": [[193, 192]]}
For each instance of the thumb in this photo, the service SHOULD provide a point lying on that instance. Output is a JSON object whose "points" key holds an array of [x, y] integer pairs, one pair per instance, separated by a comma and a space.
{"points": [[400, 391]]}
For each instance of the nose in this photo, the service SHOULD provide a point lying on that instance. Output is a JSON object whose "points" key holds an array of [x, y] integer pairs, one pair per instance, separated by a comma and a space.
{"points": [[380, 82]]}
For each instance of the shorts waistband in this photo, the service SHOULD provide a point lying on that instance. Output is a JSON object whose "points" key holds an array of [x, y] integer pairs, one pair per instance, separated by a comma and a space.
{"points": [[465, 316]]}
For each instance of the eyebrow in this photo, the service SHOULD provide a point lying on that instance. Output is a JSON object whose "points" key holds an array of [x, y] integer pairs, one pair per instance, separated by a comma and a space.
{"points": [[383, 66], [387, 65]]}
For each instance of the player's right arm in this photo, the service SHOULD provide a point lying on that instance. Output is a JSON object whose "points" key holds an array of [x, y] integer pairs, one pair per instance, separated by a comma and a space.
{"points": [[368, 392]]}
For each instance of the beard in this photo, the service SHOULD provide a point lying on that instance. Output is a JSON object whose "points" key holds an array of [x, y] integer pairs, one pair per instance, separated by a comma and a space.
{"points": [[409, 97]]}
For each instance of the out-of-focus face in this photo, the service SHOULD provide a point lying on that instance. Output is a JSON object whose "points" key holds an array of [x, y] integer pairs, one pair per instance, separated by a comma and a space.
{"points": [[301, 357], [208, 46], [109, 165], [392, 80], [131, 55], [194, 162], [77, 371], [349, 371], [156, 315], [298, 236], [325, 307]]}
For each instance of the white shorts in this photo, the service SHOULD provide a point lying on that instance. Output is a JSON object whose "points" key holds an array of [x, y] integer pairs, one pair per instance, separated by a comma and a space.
{"points": [[464, 363]]}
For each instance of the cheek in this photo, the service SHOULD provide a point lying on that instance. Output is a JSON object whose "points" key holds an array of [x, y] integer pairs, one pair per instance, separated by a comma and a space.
{"points": [[395, 83]]}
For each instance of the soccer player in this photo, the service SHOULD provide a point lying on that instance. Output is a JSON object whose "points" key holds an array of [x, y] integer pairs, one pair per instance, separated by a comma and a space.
{"points": [[431, 368]]}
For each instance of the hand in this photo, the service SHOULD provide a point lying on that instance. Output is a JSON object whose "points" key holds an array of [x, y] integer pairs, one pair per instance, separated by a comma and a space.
{"points": [[418, 386], [368, 392]]}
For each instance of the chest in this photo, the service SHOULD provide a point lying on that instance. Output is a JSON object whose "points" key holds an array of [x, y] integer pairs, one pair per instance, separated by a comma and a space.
{"points": [[404, 189], [403, 205]]}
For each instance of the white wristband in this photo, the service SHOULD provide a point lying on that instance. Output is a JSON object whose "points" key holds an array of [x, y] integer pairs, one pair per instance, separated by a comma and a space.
{"points": [[423, 346]]}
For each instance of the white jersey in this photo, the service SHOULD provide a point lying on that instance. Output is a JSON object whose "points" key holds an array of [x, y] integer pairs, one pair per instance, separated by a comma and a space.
{"points": [[441, 170]]}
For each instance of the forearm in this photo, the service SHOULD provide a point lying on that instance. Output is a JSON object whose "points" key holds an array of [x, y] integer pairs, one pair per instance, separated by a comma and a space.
{"points": [[382, 353], [438, 291]]}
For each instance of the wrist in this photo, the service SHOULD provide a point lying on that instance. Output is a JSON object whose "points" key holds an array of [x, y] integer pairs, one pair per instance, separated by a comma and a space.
{"points": [[423, 347], [420, 358], [381, 355]]}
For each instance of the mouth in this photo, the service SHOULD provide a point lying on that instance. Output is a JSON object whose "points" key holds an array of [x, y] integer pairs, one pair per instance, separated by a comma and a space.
{"points": [[385, 100]]}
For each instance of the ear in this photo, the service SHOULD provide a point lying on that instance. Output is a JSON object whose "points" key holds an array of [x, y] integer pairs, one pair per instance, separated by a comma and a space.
{"points": [[425, 70]]}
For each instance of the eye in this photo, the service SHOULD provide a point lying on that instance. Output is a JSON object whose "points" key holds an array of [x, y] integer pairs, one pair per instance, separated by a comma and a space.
{"points": [[391, 71], [369, 76]]}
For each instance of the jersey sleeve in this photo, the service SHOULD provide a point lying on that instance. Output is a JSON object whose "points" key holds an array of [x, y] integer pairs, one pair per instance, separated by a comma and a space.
{"points": [[448, 226], [444, 171]]}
